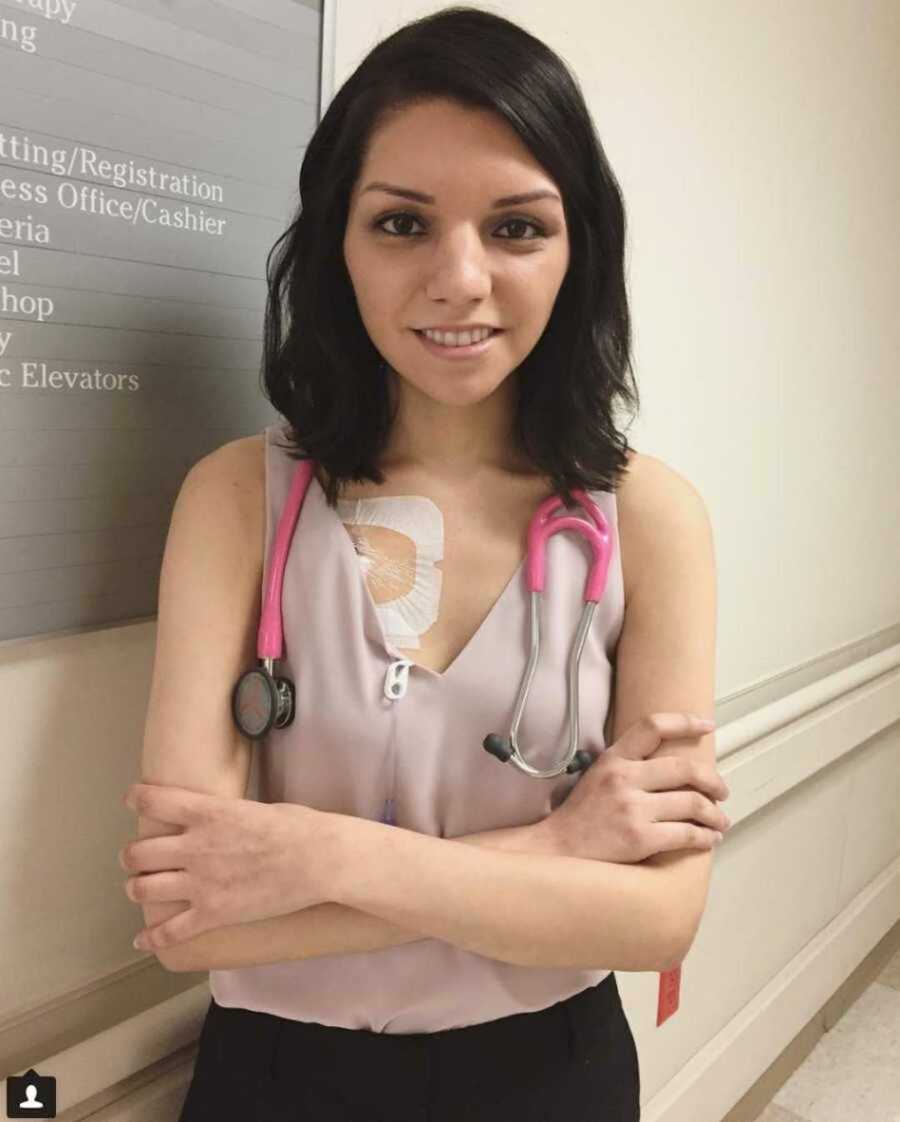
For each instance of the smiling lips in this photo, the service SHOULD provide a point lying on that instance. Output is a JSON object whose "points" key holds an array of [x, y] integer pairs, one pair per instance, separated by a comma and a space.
{"points": [[457, 338]]}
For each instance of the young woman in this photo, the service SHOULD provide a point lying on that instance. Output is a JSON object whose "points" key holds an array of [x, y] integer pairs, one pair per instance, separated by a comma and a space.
{"points": [[402, 926]]}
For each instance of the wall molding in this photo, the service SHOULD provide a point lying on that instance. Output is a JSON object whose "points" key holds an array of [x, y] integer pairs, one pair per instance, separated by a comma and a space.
{"points": [[720, 1073], [822, 722], [94, 1041]]}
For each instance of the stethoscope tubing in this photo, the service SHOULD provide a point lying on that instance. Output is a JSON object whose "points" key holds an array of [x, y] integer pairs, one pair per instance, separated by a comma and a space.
{"points": [[596, 533], [270, 637], [261, 701]]}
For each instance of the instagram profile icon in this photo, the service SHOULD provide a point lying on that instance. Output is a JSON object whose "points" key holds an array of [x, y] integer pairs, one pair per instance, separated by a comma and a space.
{"points": [[31, 1095]]}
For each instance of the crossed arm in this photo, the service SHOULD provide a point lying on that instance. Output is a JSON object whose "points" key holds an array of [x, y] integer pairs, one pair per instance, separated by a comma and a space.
{"points": [[501, 893], [506, 894]]}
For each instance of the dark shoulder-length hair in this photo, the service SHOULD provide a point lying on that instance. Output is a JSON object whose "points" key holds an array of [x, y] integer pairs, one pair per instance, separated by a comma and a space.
{"points": [[322, 371]]}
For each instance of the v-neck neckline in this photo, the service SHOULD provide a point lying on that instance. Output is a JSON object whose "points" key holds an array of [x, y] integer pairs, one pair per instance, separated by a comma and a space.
{"points": [[369, 605]]}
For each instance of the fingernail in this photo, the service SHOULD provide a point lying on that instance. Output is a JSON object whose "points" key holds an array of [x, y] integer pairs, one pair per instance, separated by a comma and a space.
{"points": [[138, 943], [706, 723], [718, 837]]}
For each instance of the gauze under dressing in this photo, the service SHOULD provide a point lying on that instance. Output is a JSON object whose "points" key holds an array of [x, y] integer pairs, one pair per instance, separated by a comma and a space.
{"points": [[405, 618]]}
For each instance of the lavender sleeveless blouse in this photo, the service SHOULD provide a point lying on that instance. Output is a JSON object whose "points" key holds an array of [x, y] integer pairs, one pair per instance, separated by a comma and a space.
{"points": [[352, 749]]}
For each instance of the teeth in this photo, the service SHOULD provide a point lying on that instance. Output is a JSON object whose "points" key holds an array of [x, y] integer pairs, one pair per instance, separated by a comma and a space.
{"points": [[458, 338]]}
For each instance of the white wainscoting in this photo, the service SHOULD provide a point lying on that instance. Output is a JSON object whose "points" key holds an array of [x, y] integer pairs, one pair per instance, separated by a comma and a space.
{"points": [[806, 883]]}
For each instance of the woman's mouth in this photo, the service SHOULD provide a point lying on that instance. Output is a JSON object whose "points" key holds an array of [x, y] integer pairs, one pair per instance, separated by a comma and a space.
{"points": [[465, 350]]}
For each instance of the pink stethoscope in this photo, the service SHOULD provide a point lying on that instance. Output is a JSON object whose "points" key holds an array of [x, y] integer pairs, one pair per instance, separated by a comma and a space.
{"points": [[261, 701]]}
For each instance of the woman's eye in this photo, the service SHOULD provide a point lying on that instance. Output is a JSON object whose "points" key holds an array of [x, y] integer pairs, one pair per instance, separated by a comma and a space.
{"points": [[379, 225], [541, 232], [514, 222]]}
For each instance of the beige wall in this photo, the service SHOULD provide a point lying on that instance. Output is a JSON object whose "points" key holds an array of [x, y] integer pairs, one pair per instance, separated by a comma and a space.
{"points": [[759, 157]]}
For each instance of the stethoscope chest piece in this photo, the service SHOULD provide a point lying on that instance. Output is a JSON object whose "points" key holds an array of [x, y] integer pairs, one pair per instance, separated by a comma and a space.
{"points": [[261, 702]]}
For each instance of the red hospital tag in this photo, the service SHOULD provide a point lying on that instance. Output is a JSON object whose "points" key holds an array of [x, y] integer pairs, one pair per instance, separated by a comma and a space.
{"points": [[669, 991]]}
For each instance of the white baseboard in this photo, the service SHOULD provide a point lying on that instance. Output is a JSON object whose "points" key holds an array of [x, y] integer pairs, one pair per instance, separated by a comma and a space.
{"points": [[718, 1076]]}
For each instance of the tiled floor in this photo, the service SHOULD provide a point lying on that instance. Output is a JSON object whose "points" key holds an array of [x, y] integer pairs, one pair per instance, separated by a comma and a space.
{"points": [[853, 1073]]}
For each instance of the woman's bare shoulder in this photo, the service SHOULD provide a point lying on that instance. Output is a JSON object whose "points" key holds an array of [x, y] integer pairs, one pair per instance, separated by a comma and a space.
{"points": [[648, 484], [236, 471], [244, 456], [241, 461], [646, 479]]}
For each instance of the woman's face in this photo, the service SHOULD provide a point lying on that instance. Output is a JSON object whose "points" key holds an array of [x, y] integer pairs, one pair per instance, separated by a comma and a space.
{"points": [[458, 259]]}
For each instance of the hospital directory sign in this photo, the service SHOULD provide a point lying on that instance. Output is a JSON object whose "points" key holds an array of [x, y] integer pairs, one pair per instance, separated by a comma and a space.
{"points": [[149, 157]]}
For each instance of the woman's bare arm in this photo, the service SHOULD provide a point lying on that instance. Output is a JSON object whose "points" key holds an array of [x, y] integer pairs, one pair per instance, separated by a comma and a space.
{"points": [[323, 929]]}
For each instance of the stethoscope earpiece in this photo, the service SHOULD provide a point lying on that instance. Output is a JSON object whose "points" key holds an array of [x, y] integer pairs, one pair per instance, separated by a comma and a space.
{"points": [[500, 747], [581, 762]]}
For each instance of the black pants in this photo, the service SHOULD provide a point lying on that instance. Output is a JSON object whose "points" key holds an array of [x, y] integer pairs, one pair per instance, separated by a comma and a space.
{"points": [[575, 1061]]}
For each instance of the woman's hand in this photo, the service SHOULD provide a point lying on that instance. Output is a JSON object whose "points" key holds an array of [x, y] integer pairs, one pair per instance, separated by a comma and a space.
{"points": [[235, 860], [626, 807]]}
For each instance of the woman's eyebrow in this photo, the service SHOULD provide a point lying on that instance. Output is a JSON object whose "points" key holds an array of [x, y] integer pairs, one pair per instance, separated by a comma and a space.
{"points": [[419, 197]]}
